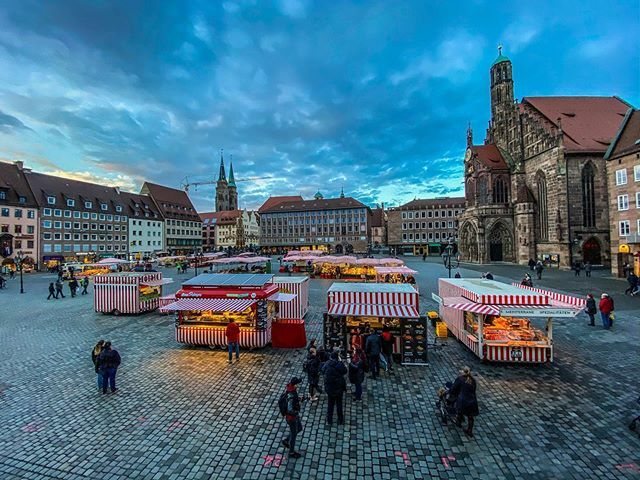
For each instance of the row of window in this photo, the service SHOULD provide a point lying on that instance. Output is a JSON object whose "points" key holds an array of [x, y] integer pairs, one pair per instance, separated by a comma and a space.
{"points": [[430, 214], [316, 213], [87, 204], [313, 230], [623, 201], [59, 247], [3, 196], [48, 212], [149, 223], [621, 175], [314, 240], [624, 227], [57, 224], [183, 223], [83, 236], [431, 236], [179, 231], [17, 212], [17, 229], [429, 225], [149, 243], [17, 244], [139, 233]]}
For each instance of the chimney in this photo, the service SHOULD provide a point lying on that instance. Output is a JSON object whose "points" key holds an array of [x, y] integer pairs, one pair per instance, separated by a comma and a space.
{"points": [[117, 189], [19, 164]]}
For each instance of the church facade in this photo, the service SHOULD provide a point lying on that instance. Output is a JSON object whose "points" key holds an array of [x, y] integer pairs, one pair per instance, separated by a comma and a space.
{"points": [[537, 187], [226, 190]]}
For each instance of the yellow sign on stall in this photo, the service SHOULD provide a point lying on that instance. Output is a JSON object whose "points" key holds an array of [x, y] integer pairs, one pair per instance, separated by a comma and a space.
{"points": [[623, 248]]}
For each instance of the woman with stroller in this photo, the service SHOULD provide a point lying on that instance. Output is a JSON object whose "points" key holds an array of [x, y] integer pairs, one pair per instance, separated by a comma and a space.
{"points": [[464, 391]]}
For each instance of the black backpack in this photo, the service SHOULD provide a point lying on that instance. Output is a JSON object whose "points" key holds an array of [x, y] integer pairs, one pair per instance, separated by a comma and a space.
{"points": [[283, 403]]}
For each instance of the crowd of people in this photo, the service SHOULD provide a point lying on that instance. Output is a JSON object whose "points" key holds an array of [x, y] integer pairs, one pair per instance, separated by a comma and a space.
{"points": [[55, 288]]}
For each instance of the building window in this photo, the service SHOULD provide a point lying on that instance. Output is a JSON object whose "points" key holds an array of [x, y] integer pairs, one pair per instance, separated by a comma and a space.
{"points": [[589, 197], [118, 209], [57, 213], [31, 229], [543, 213], [76, 214], [51, 200], [638, 200], [85, 215], [88, 205], [624, 228], [621, 177], [103, 206], [46, 212], [636, 173], [17, 213], [67, 213], [3, 195], [46, 224], [623, 202], [71, 203], [499, 191], [46, 248]]}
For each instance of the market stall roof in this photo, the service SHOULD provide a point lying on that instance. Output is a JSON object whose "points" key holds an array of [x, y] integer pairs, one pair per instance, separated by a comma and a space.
{"points": [[391, 261], [282, 297], [213, 304], [290, 279], [374, 310], [461, 303], [229, 279], [372, 287], [107, 261], [492, 292], [246, 254], [390, 270], [214, 254], [368, 261], [157, 283], [557, 299]]}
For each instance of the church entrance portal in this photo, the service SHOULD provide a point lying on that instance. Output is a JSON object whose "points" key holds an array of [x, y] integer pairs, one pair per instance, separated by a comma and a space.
{"points": [[500, 244], [591, 252]]}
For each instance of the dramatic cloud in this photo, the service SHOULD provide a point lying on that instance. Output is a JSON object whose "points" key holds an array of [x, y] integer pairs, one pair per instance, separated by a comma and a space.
{"points": [[373, 97]]}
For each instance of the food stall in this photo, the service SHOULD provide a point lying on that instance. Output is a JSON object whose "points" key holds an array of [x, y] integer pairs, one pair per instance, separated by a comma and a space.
{"points": [[401, 274], [288, 330], [128, 292], [79, 270], [207, 303], [354, 310], [498, 322]]}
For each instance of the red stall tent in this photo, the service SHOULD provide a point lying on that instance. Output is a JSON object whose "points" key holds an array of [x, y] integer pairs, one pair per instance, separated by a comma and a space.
{"points": [[288, 330], [206, 304], [494, 319], [128, 292], [356, 309]]}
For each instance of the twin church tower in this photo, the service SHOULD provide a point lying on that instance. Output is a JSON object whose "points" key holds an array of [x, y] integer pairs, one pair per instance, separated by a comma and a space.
{"points": [[226, 191]]}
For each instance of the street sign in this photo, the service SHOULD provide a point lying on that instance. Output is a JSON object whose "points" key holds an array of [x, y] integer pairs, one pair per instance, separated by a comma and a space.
{"points": [[436, 298], [538, 312]]}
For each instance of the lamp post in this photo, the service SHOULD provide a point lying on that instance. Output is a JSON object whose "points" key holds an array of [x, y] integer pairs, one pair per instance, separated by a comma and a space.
{"points": [[20, 258], [196, 257], [448, 263]]}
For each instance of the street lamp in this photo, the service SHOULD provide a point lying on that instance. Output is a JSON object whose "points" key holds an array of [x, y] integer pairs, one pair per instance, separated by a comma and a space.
{"points": [[19, 259], [447, 258], [197, 256]]}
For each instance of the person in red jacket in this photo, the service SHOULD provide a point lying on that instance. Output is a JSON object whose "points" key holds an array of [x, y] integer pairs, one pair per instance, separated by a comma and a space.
{"points": [[233, 334], [606, 307]]}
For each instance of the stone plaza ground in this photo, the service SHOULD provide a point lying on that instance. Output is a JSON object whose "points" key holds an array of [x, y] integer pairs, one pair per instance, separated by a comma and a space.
{"points": [[183, 413]]}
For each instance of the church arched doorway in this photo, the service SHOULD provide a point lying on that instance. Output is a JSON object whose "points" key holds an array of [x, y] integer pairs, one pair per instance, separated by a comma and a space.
{"points": [[500, 244], [339, 248], [591, 251], [469, 243]]}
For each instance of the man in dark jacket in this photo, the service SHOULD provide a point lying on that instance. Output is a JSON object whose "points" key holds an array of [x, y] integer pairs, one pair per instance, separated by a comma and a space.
{"points": [[312, 368], [632, 279], [334, 386], [539, 268], [292, 417], [109, 361], [73, 286], [373, 347], [356, 372], [85, 284], [52, 291], [387, 340], [591, 309], [59, 288]]}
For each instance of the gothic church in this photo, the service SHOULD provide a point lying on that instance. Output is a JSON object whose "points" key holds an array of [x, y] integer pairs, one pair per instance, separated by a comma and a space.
{"points": [[537, 187], [226, 191]]}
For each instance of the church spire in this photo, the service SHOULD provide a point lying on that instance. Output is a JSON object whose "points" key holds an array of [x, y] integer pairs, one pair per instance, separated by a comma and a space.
{"points": [[232, 180], [222, 177], [469, 136], [342, 192]]}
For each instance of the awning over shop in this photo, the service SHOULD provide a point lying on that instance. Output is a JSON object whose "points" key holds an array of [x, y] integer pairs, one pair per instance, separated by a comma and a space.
{"points": [[374, 310], [213, 304], [157, 283], [461, 303], [282, 297], [557, 310]]}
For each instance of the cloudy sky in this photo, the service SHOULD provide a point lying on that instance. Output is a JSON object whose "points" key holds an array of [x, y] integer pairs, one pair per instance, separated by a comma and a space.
{"points": [[371, 95]]}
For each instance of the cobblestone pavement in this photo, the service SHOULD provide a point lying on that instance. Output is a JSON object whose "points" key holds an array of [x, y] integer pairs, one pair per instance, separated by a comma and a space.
{"points": [[183, 413]]}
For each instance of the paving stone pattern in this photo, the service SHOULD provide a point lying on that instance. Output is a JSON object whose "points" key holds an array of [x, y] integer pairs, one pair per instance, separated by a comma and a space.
{"points": [[183, 413]]}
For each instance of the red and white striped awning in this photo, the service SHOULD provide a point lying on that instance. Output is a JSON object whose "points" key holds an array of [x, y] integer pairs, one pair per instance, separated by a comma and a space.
{"points": [[460, 303], [213, 304], [157, 283], [282, 297], [374, 310]]}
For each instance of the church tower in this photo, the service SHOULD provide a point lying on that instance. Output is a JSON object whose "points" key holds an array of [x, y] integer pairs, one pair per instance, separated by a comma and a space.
{"points": [[222, 189], [233, 191]]}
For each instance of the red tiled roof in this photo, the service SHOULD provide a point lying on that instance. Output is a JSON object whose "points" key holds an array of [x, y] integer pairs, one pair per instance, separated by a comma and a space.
{"points": [[589, 123], [312, 205], [627, 140], [377, 217], [490, 156], [14, 183], [173, 203], [227, 217], [273, 201], [433, 202]]}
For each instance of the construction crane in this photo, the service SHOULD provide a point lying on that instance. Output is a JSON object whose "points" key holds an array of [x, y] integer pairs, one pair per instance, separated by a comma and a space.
{"points": [[186, 184]]}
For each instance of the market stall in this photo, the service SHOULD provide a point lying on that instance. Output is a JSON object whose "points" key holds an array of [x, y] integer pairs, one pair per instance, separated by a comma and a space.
{"points": [[207, 303], [128, 293], [354, 310], [498, 322], [401, 274], [288, 330]]}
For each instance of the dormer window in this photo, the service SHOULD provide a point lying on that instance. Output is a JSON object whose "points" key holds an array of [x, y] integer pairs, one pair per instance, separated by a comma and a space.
{"points": [[51, 200], [103, 206], [118, 208], [137, 205], [71, 202], [22, 199], [3, 195], [88, 205]]}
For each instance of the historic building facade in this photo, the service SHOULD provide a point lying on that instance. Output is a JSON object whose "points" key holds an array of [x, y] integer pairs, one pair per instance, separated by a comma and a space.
{"points": [[226, 190], [537, 186], [623, 174]]}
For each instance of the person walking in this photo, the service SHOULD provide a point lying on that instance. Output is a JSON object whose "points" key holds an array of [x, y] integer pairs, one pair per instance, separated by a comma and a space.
{"points": [[108, 363], [233, 335], [387, 340], [587, 269], [373, 347], [539, 268], [334, 386], [52, 291], [95, 354], [424, 257], [632, 280], [606, 307], [356, 372], [576, 268], [532, 264], [73, 286], [312, 369], [59, 288], [464, 391], [590, 309], [289, 405], [85, 284]]}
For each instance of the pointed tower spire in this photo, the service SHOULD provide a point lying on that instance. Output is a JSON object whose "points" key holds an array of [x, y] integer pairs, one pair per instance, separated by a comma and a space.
{"points": [[232, 180], [469, 136], [222, 177], [342, 192]]}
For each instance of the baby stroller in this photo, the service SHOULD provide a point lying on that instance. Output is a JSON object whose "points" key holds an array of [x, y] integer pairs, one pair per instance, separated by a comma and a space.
{"points": [[446, 404], [634, 423]]}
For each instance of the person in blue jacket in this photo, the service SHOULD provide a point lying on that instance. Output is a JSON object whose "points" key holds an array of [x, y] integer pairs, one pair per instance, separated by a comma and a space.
{"points": [[464, 391]]}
